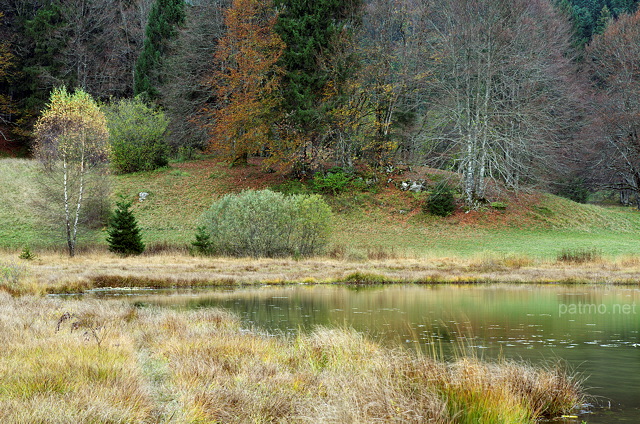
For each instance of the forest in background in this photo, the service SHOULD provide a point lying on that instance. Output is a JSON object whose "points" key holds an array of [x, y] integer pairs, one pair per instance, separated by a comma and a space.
{"points": [[517, 92]]}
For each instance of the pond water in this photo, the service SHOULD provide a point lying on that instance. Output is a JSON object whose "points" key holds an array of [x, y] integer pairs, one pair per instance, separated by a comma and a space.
{"points": [[595, 329]]}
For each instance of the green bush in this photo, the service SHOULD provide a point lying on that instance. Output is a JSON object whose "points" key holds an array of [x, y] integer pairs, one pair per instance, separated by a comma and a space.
{"points": [[136, 135], [334, 181], [124, 235], [291, 187], [441, 201], [265, 224], [501, 206]]}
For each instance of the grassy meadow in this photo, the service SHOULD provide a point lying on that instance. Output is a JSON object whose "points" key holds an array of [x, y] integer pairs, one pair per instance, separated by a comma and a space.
{"points": [[384, 223], [70, 361]]}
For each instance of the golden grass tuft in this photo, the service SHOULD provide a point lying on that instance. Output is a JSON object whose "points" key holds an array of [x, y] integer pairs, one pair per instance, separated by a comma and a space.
{"points": [[162, 365]]}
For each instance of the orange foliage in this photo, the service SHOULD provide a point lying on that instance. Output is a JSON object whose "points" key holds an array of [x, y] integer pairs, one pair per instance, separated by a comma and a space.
{"points": [[246, 81]]}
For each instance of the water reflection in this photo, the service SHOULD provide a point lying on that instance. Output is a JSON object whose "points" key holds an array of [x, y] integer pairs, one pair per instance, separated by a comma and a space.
{"points": [[594, 328]]}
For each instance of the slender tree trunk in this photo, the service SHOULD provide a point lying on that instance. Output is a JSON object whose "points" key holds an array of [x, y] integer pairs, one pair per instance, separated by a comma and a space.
{"points": [[67, 213], [80, 196]]}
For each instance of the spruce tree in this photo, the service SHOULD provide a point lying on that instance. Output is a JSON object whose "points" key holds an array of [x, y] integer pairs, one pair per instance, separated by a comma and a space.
{"points": [[603, 20], [310, 31], [164, 17], [441, 202], [124, 235]]}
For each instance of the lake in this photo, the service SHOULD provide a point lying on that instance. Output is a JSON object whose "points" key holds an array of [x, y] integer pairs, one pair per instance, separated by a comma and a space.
{"points": [[595, 330]]}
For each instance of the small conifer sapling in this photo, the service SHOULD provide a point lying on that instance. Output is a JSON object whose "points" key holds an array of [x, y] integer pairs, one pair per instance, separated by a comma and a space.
{"points": [[124, 235]]}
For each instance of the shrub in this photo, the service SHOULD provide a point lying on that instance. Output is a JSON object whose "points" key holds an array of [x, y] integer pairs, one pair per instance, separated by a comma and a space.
{"points": [[10, 277], [501, 206], [334, 181], [441, 201], [136, 135], [266, 223], [124, 235], [291, 187], [579, 256]]}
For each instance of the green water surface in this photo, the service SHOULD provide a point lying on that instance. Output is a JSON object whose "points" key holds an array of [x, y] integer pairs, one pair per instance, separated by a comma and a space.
{"points": [[593, 329]]}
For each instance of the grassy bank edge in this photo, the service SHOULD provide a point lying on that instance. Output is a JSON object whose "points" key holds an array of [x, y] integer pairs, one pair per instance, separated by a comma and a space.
{"points": [[55, 273], [90, 360]]}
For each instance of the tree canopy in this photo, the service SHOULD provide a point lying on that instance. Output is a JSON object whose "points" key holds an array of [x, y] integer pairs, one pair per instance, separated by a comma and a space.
{"points": [[71, 140]]}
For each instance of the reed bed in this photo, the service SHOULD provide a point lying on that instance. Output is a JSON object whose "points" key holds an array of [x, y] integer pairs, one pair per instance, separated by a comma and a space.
{"points": [[75, 361], [52, 272]]}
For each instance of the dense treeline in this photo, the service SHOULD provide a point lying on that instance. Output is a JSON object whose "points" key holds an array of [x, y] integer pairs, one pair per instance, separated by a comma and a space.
{"points": [[519, 92]]}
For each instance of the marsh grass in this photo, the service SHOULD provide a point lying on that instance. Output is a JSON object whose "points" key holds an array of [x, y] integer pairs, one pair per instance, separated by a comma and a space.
{"points": [[61, 376], [162, 365], [54, 272], [580, 256]]}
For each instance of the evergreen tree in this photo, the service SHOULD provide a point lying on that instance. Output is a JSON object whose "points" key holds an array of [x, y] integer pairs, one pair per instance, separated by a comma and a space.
{"points": [[164, 17], [590, 17], [603, 20], [124, 235], [202, 245], [311, 31], [622, 6]]}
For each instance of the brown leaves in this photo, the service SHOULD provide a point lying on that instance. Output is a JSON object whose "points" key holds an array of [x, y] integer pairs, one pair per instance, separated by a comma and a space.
{"points": [[246, 80]]}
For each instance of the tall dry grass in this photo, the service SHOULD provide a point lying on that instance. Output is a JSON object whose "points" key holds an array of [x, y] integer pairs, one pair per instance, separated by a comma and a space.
{"points": [[52, 272], [80, 361]]}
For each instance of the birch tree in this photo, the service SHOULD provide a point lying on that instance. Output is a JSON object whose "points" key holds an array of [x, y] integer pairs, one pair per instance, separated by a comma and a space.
{"points": [[71, 143]]}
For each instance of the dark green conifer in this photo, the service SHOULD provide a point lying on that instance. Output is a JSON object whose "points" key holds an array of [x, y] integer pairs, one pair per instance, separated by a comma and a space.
{"points": [[202, 244], [309, 29], [441, 202], [603, 20], [124, 235], [164, 17]]}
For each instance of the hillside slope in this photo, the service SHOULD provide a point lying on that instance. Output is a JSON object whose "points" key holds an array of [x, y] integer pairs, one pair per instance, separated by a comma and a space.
{"points": [[385, 222]]}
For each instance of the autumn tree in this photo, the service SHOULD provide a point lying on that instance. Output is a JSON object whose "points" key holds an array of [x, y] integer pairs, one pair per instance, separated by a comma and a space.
{"points": [[614, 62], [245, 81], [71, 144], [6, 59], [502, 91]]}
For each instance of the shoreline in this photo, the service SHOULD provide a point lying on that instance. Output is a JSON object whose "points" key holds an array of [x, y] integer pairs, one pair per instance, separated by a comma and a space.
{"points": [[52, 273]]}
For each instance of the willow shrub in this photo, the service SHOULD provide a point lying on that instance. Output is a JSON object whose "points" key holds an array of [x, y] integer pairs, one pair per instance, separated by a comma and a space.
{"points": [[267, 224]]}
